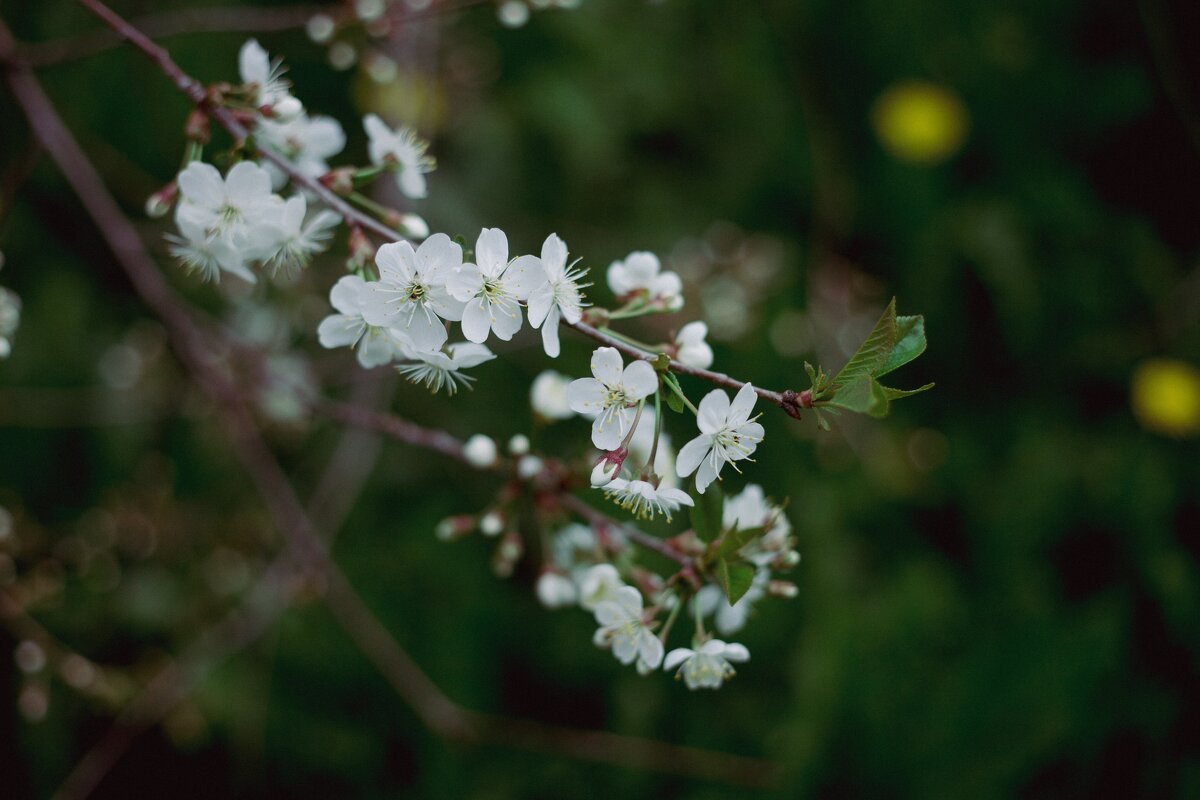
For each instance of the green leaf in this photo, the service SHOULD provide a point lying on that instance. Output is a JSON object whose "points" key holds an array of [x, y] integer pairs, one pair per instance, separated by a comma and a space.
{"points": [[708, 513], [735, 579], [674, 403], [874, 352], [735, 540], [896, 394], [864, 396], [910, 343]]}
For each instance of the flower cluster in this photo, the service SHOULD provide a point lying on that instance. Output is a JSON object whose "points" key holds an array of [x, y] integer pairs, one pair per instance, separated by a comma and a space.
{"points": [[399, 305]]}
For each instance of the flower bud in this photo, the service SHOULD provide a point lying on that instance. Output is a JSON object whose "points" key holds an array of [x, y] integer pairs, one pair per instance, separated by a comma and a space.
{"points": [[491, 524], [413, 226], [480, 451], [518, 445], [455, 527], [339, 181], [608, 467], [320, 28], [159, 203], [529, 467], [785, 561], [198, 127], [287, 109], [508, 552], [785, 589], [555, 590]]}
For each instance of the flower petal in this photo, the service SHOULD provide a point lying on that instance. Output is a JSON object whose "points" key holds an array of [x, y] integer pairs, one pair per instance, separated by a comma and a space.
{"points": [[586, 396], [714, 408], [736, 652], [676, 657], [554, 256], [606, 366], [524, 275], [692, 455], [491, 251], [465, 282], [550, 332], [639, 379], [476, 322], [397, 262], [743, 404]]}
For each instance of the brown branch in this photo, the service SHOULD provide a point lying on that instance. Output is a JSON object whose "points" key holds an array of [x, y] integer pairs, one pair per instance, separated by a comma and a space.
{"points": [[303, 543], [790, 401]]}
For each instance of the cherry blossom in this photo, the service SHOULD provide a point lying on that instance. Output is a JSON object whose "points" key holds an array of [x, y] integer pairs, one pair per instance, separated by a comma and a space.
{"points": [[494, 288], [623, 628], [373, 346], [403, 149], [727, 434], [559, 296], [611, 395], [411, 294], [641, 272], [708, 666], [691, 347]]}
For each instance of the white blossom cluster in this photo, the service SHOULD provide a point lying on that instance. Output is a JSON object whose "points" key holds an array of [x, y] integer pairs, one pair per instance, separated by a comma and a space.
{"points": [[430, 308]]}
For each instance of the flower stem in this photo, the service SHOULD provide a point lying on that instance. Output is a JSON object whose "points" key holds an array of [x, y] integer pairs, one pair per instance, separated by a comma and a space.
{"points": [[666, 629], [629, 340], [381, 211], [670, 381], [649, 468]]}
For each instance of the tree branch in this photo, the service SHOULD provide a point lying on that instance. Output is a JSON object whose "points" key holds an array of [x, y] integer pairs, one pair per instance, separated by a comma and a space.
{"points": [[791, 402]]}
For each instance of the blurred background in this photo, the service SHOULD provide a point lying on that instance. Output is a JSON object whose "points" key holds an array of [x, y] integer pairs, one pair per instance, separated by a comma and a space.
{"points": [[1000, 584]]}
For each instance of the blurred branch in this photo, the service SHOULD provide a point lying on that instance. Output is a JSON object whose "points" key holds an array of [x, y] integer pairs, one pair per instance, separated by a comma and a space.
{"points": [[305, 549], [790, 401], [165, 24]]}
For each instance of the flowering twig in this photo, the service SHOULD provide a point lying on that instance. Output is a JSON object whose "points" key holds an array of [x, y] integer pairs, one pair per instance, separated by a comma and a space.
{"points": [[305, 548], [790, 401]]}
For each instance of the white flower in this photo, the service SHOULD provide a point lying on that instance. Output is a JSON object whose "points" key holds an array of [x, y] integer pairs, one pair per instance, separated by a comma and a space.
{"points": [[611, 395], [640, 272], [548, 395], [239, 208], [731, 618], [559, 296], [403, 148], [691, 349], [727, 434], [529, 467], [644, 500], [411, 294], [480, 451], [607, 468], [207, 255], [494, 288], [257, 69], [308, 142], [347, 328], [298, 242], [439, 369], [750, 508], [599, 584], [708, 666], [492, 524], [623, 629], [518, 445], [555, 590], [10, 319]]}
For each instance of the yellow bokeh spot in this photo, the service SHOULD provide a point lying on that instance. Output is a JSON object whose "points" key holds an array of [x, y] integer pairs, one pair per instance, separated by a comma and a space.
{"points": [[920, 122], [1166, 396]]}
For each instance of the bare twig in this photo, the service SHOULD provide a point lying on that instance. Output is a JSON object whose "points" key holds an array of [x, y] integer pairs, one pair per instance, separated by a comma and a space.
{"points": [[790, 401]]}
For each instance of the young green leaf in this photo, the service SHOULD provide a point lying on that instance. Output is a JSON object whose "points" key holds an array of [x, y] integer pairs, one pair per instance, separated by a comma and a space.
{"points": [[708, 513], [735, 578], [874, 352], [735, 540], [864, 396], [910, 343], [674, 402], [896, 394]]}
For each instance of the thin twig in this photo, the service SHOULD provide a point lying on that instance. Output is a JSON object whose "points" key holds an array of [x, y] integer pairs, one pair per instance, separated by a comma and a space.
{"points": [[790, 401]]}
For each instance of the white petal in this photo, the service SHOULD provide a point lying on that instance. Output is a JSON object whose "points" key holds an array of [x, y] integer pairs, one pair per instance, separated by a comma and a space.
{"points": [[550, 332], [650, 649], [692, 454], [676, 657], [347, 294], [465, 282], [609, 612], [743, 404], [491, 251], [397, 262], [586, 396], [714, 408], [692, 333], [338, 330], [466, 355], [202, 184], [554, 256], [736, 652], [426, 330], [640, 380], [523, 276], [412, 183], [606, 365], [476, 320], [707, 474], [248, 180], [606, 431], [438, 257], [507, 320]]}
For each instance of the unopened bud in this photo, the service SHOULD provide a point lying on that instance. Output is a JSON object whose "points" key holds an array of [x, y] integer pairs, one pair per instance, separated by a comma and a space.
{"points": [[529, 467], [455, 527], [786, 560], [413, 226], [480, 451], [320, 28], [555, 590], [339, 181], [518, 445], [287, 109], [491, 524], [785, 589], [608, 467], [507, 554], [159, 203]]}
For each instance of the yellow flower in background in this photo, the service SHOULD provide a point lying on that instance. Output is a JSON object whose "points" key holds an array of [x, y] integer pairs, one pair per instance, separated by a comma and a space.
{"points": [[1166, 396], [920, 122]]}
